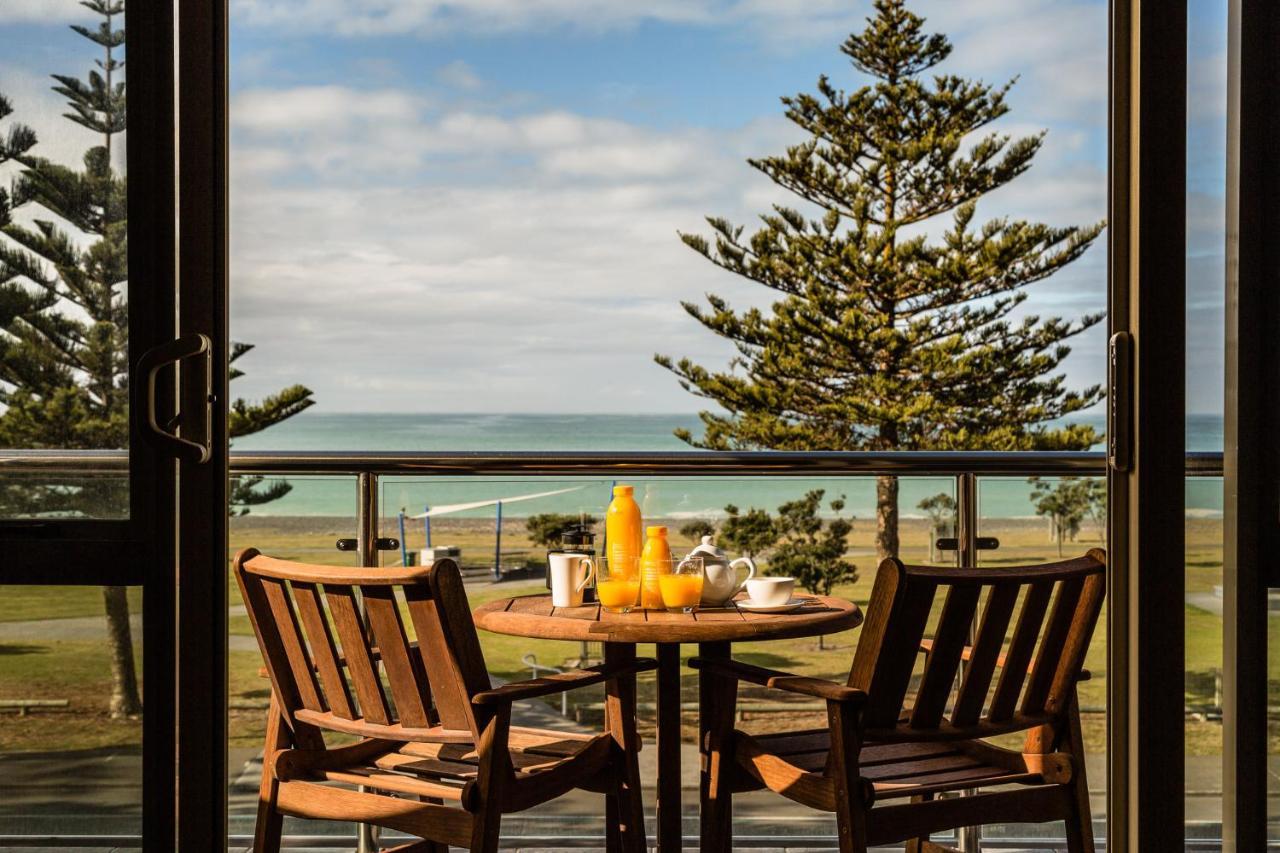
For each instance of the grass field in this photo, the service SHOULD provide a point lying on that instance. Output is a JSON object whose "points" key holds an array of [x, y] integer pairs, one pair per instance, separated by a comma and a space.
{"points": [[37, 660]]}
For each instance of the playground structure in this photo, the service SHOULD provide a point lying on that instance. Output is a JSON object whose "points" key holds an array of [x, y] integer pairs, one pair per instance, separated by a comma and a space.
{"points": [[429, 512]]}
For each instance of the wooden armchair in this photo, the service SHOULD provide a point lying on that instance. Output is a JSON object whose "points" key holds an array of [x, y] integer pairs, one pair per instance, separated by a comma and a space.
{"points": [[437, 756], [884, 757]]}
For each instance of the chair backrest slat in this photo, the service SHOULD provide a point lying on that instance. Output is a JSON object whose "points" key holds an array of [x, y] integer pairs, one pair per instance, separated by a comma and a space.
{"points": [[323, 650], [1051, 649], [898, 654], [949, 641], [1054, 636], [383, 614], [346, 627], [295, 648], [992, 629], [356, 649], [1014, 671], [263, 620], [1076, 645], [450, 695]]}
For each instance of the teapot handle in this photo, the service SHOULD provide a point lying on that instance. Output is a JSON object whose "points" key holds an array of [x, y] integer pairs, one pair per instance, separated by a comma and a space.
{"points": [[751, 573]]}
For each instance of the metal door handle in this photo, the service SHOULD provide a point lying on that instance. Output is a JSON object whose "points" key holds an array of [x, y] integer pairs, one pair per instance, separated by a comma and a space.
{"points": [[150, 364], [1120, 401]]}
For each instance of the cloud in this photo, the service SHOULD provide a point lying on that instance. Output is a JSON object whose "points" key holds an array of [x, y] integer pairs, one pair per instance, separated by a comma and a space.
{"points": [[459, 75], [39, 12], [395, 254], [431, 18]]}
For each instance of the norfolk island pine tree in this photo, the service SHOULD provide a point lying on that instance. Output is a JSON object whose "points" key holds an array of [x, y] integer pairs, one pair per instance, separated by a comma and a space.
{"points": [[881, 338], [64, 319]]}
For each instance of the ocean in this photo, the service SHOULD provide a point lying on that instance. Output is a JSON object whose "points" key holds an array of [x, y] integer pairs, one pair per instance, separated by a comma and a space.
{"points": [[660, 497]]}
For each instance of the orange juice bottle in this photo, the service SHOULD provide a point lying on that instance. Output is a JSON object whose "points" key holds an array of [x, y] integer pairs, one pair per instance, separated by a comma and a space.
{"points": [[655, 561], [622, 529]]}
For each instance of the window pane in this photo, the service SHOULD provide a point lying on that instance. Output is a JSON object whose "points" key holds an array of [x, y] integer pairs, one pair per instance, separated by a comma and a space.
{"points": [[63, 272], [70, 726]]}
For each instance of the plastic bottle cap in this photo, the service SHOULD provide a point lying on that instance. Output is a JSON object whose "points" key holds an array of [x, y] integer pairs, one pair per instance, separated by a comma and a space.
{"points": [[658, 530], [623, 490]]}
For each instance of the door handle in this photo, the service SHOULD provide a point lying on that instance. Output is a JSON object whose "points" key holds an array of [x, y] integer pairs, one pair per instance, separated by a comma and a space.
{"points": [[149, 366], [1120, 401]]}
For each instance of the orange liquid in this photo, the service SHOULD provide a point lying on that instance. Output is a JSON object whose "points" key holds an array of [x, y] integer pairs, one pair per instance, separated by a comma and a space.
{"points": [[618, 595], [680, 591], [622, 531], [655, 562]]}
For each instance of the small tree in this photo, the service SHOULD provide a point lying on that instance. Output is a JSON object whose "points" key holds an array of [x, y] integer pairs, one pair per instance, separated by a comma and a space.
{"points": [[1096, 489], [751, 533], [697, 528], [811, 550], [546, 528], [1064, 504], [941, 509], [883, 336]]}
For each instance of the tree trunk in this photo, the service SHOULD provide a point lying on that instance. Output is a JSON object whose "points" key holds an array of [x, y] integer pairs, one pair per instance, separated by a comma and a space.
{"points": [[124, 678], [886, 517]]}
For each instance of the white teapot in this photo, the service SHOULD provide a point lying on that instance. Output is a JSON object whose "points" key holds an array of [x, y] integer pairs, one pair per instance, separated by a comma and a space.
{"points": [[720, 582]]}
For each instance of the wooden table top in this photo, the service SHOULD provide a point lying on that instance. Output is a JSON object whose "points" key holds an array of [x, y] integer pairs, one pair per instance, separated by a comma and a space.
{"points": [[534, 616]]}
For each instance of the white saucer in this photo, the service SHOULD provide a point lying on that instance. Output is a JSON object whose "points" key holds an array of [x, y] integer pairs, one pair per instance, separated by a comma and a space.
{"points": [[793, 604]]}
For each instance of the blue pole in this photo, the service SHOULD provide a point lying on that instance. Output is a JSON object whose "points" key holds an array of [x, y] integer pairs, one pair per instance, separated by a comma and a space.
{"points": [[404, 546], [497, 547], [426, 523]]}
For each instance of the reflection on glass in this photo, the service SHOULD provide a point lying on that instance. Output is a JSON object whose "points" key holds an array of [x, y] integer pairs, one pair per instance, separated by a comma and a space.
{"points": [[63, 266], [71, 765]]}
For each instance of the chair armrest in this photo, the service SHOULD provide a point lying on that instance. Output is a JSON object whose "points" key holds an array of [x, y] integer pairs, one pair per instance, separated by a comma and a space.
{"points": [[778, 680], [574, 678], [926, 646]]}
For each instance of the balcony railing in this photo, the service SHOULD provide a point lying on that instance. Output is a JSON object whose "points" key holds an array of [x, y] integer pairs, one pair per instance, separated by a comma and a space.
{"points": [[368, 469]]}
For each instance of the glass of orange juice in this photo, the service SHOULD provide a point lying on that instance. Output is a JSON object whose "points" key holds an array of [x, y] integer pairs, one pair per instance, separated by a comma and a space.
{"points": [[682, 587], [618, 582]]}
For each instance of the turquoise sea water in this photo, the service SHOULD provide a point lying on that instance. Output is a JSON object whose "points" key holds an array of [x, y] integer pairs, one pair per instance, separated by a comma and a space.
{"points": [[667, 497]]}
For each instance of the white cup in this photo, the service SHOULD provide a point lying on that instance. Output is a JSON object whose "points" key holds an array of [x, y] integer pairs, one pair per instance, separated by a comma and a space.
{"points": [[770, 592], [570, 574]]}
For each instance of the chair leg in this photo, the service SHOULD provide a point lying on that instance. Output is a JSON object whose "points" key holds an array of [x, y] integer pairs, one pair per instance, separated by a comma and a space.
{"points": [[1080, 821], [430, 846], [851, 811], [270, 823], [624, 809], [918, 845]]}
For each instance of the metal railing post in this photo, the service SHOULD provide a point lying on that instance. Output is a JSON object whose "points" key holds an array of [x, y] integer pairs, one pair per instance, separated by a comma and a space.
{"points": [[970, 837], [367, 548]]}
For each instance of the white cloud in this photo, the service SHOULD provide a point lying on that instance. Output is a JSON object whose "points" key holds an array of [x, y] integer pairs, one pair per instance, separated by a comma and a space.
{"points": [[460, 75], [439, 17], [454, 258], [39, 12]]}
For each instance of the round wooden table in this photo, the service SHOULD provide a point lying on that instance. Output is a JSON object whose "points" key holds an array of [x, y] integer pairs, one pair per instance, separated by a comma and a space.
{"points": [[714, 630]]}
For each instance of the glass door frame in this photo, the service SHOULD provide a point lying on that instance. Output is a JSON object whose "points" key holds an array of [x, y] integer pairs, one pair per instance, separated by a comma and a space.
{"points": [[1146, 425], [173, 544], [1251, 459]]}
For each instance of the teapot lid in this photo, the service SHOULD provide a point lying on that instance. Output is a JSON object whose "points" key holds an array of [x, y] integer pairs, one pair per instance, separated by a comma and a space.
{"points": [[707, 549]]}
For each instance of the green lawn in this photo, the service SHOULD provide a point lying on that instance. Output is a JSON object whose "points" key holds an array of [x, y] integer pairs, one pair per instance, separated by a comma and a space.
{"points": [[42, 667]]}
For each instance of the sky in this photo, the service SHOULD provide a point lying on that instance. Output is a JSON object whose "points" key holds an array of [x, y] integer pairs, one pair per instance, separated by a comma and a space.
{"points": [[474, 205]]}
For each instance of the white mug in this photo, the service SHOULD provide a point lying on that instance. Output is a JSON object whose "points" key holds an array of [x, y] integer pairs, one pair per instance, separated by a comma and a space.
{"points": [[770, 592], [570, 574]]}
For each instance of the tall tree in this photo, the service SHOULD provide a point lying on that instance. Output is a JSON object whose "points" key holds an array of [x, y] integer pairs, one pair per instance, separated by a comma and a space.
{"points": [[881, 336], [64, 317]]}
